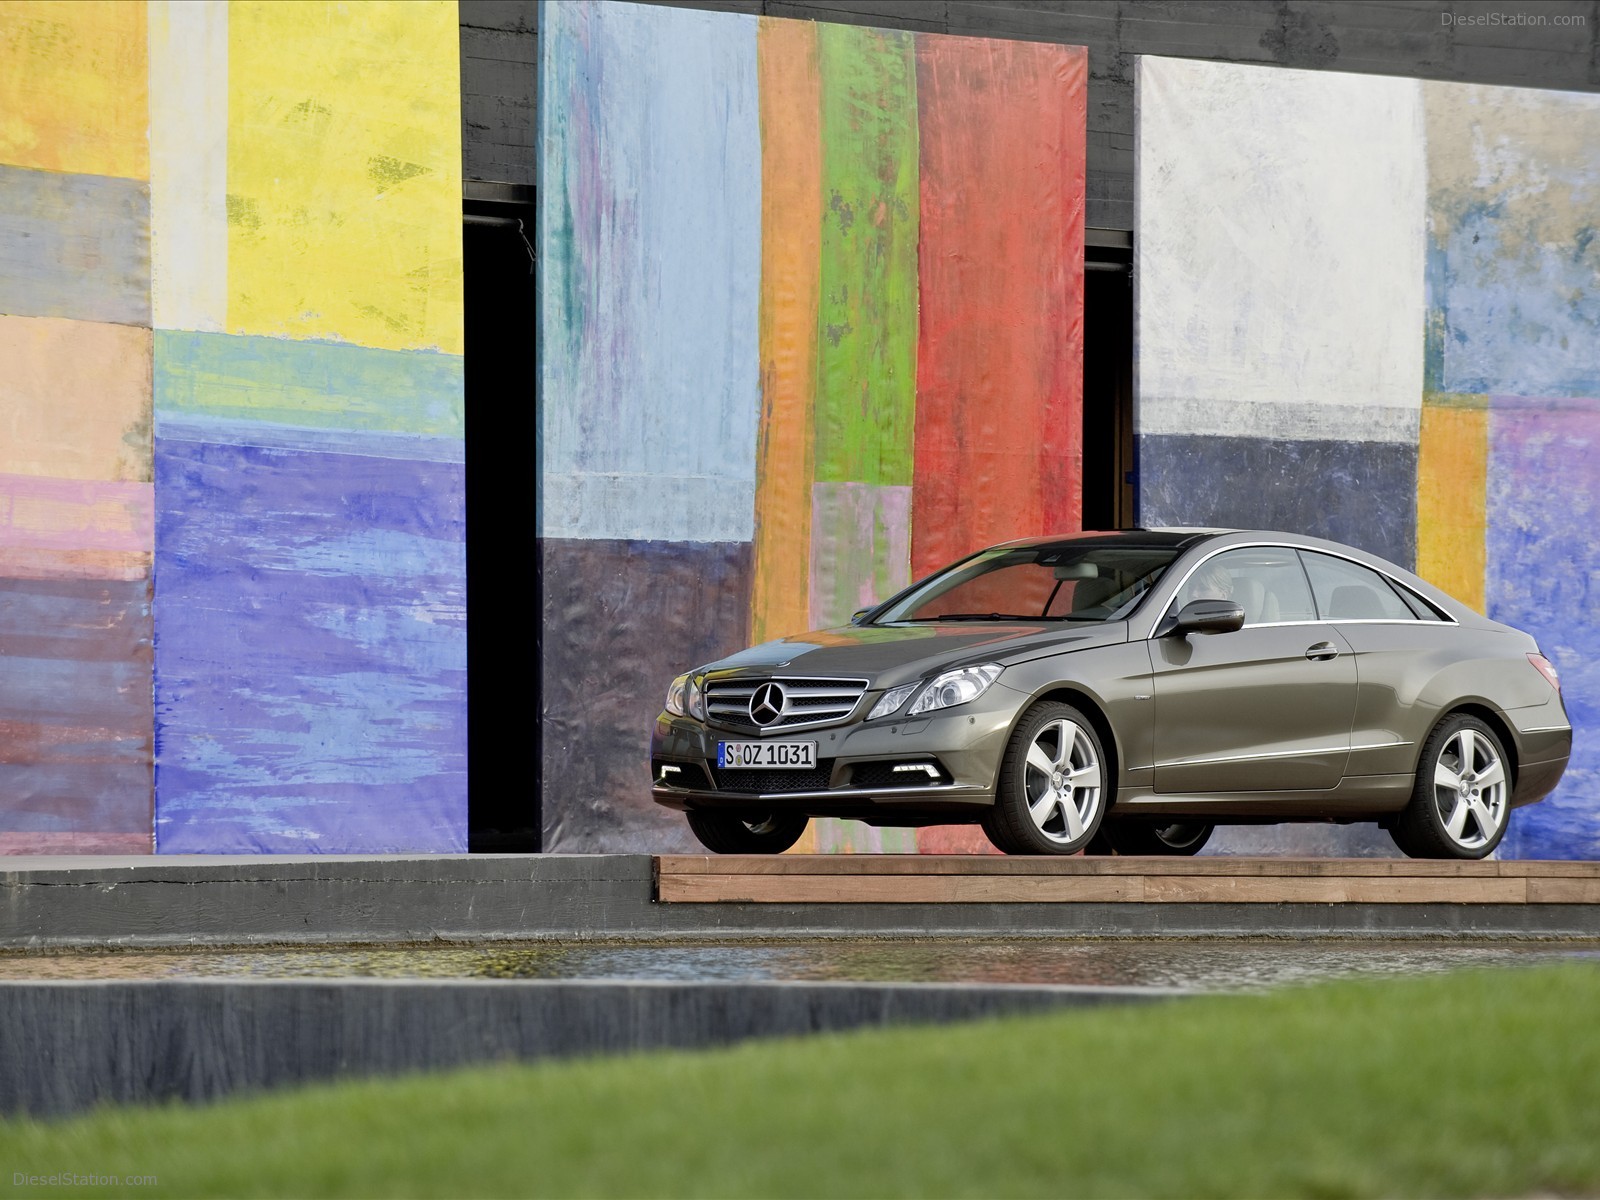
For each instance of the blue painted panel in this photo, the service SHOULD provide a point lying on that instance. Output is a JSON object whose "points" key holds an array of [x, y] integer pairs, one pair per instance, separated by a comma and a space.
{"points": [[75, 246], [650, 260], [1518, 314], [1361, 493], [1544, 577], [310, 651]]}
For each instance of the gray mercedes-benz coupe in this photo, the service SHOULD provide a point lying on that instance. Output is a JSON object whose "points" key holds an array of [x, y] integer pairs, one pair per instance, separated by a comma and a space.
{"points": [[1126, 693]]}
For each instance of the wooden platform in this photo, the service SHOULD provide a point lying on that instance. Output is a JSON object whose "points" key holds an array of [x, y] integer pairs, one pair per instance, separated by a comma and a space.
{"points": [[985, 879]]}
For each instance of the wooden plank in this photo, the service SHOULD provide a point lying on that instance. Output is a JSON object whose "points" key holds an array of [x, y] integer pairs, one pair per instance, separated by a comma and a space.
{"points": [[1546, 890], [1334, 890], [890, 889], [1542, 868], [954, 864], [1068, 889]]}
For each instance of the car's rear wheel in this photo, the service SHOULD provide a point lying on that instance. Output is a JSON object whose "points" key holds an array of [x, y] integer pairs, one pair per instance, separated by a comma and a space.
{"points": [[1053, 788], [1144, 837], [1462, 798], [747, 833]]}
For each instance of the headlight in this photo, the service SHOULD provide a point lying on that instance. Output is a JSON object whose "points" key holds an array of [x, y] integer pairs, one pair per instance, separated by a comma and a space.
{"points": [[891, 700], [956, 687], [685, 697]]}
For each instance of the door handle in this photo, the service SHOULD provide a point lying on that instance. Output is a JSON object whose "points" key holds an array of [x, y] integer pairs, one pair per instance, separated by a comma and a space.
{"points": [[1322, 652]]}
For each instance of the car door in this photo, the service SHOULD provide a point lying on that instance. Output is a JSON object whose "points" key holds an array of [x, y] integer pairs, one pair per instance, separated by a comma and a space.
{"points": [[1399, 644], [1265, 708]]}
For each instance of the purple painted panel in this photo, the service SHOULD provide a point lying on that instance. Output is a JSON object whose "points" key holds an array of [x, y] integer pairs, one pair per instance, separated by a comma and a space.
{"points": [[74, 710], [310, 651], [1544, 577]]}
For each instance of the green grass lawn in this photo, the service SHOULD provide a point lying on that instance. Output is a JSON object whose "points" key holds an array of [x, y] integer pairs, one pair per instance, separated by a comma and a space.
{"points": [[1483, 1083]]}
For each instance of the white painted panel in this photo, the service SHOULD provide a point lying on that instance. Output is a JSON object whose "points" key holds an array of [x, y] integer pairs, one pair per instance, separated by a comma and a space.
{"points": [[189, 164], [1281, 252]]}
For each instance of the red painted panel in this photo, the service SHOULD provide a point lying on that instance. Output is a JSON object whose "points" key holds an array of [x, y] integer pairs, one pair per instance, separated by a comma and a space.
{"points": [[999, 428]]}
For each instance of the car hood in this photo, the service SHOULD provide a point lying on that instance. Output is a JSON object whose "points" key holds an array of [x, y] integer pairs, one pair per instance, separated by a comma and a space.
{"points": [[889, 655]]}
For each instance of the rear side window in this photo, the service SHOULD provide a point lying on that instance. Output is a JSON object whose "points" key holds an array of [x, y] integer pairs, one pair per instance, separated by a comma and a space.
{"points": [[1347, 591], [1424, 609]]}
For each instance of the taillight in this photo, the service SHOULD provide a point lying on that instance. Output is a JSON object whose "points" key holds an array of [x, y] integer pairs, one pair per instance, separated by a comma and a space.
{"points": [[1546, 668]]}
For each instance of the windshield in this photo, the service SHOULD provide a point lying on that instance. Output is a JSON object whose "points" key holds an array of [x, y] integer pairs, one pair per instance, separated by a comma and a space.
{"points": [[1060, 582]]}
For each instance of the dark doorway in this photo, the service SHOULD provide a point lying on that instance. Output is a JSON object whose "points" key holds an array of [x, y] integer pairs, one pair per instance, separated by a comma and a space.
{"points": [[1108, 500], [503, 596]]}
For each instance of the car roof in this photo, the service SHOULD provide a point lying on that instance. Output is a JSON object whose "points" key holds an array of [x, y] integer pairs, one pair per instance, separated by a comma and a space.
{"points": [[1175, 538]]}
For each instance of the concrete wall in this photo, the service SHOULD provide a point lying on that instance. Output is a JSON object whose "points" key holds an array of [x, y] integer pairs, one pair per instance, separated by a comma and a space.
{"points": [[69, 1046], [1401, 37], [192, 900]]}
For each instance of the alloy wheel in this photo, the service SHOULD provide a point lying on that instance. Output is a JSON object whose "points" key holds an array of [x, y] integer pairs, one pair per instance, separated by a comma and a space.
{"points": [[1469, 785], [1063, 781]]}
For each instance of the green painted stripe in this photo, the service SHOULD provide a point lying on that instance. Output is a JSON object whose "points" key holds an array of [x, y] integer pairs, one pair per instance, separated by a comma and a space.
{"points": [[867, 314], [1453, 400], [318, 385]]}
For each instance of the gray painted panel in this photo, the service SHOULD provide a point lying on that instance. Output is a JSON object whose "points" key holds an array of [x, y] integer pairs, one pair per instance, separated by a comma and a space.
{"points": [[1359, 493], [74, 246]]}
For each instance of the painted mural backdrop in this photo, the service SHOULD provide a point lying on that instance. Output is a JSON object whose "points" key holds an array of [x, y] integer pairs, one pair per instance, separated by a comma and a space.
{"points": [[811, 327], [76, 501], [231, 427], [1369, 309]]}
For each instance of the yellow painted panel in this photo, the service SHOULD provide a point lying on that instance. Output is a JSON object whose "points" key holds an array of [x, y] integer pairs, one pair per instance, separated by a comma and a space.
{"points": [[73, 81], [344, 172], [1452, 481]]}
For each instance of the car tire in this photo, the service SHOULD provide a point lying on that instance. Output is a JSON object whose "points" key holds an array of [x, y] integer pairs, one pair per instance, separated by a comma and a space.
{"points": [[1461, 801], [1148, 838], [1053, 789], [747, 833]]}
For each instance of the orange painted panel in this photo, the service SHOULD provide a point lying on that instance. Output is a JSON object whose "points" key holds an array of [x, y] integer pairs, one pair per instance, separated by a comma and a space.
{"points": [[1452, 474], [791, 234]]}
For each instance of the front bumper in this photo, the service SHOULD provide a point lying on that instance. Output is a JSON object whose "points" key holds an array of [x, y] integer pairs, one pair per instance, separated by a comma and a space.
{"points": [[855, 760]]}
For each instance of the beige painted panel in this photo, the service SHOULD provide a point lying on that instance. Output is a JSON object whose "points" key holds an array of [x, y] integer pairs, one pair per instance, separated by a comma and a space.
{"points": [[74, 400]]}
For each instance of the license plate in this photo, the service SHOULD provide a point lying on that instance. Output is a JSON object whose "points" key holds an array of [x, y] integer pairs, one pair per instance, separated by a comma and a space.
{"points": [[767, 756]]}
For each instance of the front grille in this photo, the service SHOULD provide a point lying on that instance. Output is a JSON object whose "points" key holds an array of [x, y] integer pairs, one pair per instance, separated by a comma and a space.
{"points": [[882, 775], [752, 782], [806, 702]]}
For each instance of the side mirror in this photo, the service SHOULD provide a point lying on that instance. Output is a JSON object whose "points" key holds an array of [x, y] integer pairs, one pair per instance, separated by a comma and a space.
{"points": [[1208, 616], [859, 615]]}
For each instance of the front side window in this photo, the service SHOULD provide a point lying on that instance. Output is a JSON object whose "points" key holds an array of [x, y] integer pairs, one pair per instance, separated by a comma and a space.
{"points": [[1266, 581], [1061, 582], [1347, 591]]}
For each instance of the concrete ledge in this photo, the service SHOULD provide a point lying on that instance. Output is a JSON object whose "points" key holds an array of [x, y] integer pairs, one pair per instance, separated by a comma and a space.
{"points": [[215, 901], [68, 1046]]}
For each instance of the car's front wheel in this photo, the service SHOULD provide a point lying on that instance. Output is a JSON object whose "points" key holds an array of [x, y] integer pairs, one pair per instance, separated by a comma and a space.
{"points": [[1150, 837], [747, 833], [1053, 788], [1462, 797]]}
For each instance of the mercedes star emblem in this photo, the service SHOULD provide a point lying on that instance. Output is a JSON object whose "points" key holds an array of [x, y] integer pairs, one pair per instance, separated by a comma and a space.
{"points": [[766, 706]]}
